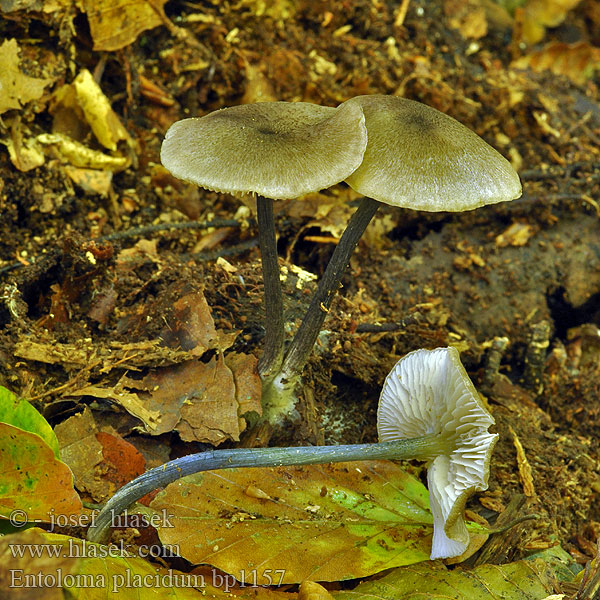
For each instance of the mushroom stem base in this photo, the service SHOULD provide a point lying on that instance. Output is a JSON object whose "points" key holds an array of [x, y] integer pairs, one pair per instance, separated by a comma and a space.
{"points": [[279, 399]]}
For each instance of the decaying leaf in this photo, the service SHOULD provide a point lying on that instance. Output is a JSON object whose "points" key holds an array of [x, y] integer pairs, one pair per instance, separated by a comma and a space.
{"points": [[536, 15], [80, 449], [81, 570], [130, 401], [104, 122], [24, 151], [115, 24], [329, 213], [576, 61], [32, 479], [248, 387], [91, 181], [321, 522], [107, 356], [101, 461], [191, 326], [16, 88], [204, 402], [122, 461]]}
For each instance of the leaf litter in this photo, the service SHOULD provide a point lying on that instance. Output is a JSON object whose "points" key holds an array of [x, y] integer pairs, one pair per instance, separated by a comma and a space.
{"points": [[330, 52]]}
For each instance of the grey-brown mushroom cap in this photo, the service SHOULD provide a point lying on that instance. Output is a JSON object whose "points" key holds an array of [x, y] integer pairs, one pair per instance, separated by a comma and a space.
{"points": [[418, 157], [279, 150]]}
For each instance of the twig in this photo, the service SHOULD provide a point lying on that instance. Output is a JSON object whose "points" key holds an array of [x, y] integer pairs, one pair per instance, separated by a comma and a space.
{"points": [[149, 229], [382, 327]]}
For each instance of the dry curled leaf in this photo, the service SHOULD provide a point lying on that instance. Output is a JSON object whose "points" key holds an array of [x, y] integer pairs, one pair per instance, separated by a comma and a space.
{"points": [[204, 402], [576, 61], [115, 24], [536, 15], [71, 151]]}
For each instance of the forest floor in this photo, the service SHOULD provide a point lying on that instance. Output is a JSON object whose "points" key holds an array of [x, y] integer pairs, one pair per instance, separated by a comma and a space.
{"points": [[97, 285]]}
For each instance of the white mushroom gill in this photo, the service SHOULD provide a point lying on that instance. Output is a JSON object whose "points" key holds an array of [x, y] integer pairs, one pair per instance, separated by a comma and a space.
{"points": [[429, 392]]}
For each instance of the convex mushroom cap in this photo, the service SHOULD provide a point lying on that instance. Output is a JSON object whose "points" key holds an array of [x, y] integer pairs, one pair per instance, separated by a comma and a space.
{"points": [[418, 157], [429, 392], [279, 150]]}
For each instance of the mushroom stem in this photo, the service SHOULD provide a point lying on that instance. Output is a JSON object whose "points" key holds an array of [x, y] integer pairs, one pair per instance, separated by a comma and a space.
{"points": [[306, 336], [272, 356], [425, 447]]}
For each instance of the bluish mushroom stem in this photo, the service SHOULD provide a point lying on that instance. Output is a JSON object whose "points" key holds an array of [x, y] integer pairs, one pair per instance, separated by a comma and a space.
{"points": [[424, 448]]}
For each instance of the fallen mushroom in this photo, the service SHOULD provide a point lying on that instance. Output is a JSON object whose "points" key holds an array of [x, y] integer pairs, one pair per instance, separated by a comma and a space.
{"points": [[429, 392], [416, 157], [276, 150], [428, 410]]}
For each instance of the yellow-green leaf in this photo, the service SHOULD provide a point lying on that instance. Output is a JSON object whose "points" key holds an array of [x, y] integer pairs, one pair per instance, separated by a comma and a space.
{"points": [[321, 522], [52, 563], [18, 412], [34, 484], [523, 580]]}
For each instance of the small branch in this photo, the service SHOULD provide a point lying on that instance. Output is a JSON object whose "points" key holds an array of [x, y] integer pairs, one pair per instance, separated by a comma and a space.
{"points": [[383, 327], [149, 229]]}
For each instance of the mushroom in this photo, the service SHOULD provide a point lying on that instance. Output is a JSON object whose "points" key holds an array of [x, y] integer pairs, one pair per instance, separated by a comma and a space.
{"points": [[416, 157], [429, 392], [428, 410], [276, 150]]}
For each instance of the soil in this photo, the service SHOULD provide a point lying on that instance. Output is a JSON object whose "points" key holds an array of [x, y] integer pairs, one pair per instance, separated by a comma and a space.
{"points": [[527, 271]]}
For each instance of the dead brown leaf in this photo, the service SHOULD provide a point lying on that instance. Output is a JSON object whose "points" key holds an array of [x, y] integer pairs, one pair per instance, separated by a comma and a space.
{"points": [[101, 461], [16, 88], [576, 61], [536, 15], [191, 326], [122, 461], [201, 400], [248, 387], [130, 401], [24, 151], [115, 24], [91, 181], [80, 449], [82, 354]]}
